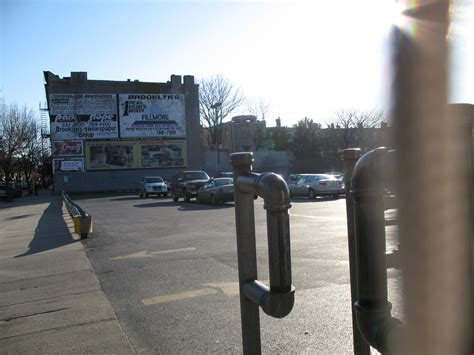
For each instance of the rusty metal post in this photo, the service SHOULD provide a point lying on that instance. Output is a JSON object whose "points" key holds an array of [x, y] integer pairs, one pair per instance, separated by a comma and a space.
{"points": [[350, 157]]}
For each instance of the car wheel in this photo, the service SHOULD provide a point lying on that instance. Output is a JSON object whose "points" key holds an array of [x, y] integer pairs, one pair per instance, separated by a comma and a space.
{"points": [[175, 198], [140, 194], [146, 195], [213, 200], [336, 196], [198, 198], [311, 194], [187, 198], [165, 194]]}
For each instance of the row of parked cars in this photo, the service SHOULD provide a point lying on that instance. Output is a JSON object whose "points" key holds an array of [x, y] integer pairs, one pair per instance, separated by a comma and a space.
{"points": [[197, 184], [188, 185]]}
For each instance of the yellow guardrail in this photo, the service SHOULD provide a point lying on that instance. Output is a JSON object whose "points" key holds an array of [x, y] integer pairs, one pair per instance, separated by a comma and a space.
{"points": [[82, 220]]}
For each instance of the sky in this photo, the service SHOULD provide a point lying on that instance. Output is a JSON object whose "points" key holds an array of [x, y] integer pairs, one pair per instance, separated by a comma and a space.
{"points": [[304, 58]]}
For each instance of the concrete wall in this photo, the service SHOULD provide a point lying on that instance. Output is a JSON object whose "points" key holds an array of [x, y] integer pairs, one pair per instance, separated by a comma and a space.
{"points": [[113, 180], [277, 162]]}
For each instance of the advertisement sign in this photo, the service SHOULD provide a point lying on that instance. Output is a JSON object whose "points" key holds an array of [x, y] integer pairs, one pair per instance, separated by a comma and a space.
{"points": [[162, 154], [152, 115], [68, 165], [66, 148], [83, 116], [110, 155], [113, 155]]}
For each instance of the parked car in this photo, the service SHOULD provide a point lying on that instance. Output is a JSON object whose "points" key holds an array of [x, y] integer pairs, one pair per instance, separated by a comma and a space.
{"points": [[338, 175], [313, 185], [16, 189], [227, 174], [187, 184], [216, 191], [153, 185]]}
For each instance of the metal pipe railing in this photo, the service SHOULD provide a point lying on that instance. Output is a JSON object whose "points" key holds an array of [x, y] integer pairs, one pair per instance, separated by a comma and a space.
{"points": [[350, 157], [373, 310], [276, 300], [82, 219]]}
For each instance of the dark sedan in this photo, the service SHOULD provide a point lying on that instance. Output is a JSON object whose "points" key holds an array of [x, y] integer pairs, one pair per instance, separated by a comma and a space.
{"points": [[217, 190]]}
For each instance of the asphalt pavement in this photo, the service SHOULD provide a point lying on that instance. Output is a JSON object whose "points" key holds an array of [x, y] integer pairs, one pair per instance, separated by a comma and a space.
{"points": [[169, 278], [51, 301]]}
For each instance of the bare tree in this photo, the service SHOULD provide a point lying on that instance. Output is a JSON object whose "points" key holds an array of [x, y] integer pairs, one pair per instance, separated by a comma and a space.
{"points": [[15, 132], [258, 107], [353, 126], [218, 97], [30, 155]]}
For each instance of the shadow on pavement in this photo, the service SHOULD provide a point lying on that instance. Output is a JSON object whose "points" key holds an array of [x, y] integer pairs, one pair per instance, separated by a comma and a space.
{"points": [[51, 231], [185, 206]]}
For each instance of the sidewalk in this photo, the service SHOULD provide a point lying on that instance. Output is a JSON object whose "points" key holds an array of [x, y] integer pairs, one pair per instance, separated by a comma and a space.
{"points": [[50, 298]]}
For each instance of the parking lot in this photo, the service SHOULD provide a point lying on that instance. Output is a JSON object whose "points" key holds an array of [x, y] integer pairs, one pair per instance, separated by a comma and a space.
{"points": [[170, 272]]}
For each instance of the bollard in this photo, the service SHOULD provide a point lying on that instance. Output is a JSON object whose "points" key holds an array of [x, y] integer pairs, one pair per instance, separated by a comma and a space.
{"points": [[350, 157], [278, 299], [372, 308]]}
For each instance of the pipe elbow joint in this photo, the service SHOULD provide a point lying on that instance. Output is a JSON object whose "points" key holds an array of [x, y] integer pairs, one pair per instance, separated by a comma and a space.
{"points": [[378, 327], [274, 191], [278, 304]]}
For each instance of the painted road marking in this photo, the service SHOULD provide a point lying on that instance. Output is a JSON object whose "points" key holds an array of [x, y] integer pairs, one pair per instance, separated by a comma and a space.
{"points": [[227, 288], [179, 296], [319, 217], [148, 254]]}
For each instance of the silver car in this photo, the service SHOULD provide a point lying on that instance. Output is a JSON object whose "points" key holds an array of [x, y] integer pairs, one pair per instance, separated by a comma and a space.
{"points": [[153, 185], [313, 185], [217, 190]]}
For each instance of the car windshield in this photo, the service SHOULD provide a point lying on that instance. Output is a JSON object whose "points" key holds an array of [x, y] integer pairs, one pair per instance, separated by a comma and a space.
{"points": [[222, 182], [153, 179], [197, 175]]}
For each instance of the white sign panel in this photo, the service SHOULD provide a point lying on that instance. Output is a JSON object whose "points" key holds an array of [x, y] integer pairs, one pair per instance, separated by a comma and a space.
{"points": [[83, 116], [68, 165], [152, 115]]}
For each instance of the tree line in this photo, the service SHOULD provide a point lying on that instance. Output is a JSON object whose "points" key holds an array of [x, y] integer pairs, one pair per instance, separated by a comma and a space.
{"points": [[306, 140], [22, 153]]}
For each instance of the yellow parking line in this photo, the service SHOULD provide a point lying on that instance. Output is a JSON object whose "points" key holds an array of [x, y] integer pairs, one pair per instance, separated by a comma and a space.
{"points": [[171, 251], [147, 254], [179, 296], [319, 217]]}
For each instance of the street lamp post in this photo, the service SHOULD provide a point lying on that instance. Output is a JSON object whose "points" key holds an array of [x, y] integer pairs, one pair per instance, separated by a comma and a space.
{"points": [[217, 126]]}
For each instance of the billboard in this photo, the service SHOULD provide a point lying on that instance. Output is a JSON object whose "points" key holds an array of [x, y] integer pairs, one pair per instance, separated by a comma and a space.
{"points": [[110, 155], [68, 165], [66, 148], [83, 116], [152, 116], [160, 154], [114, 155]]}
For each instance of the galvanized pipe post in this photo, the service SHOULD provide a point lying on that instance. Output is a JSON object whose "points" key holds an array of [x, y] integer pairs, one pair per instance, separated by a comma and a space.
{"points": [[246, 253], [350, 157], [373, 310], [278, 299]]}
